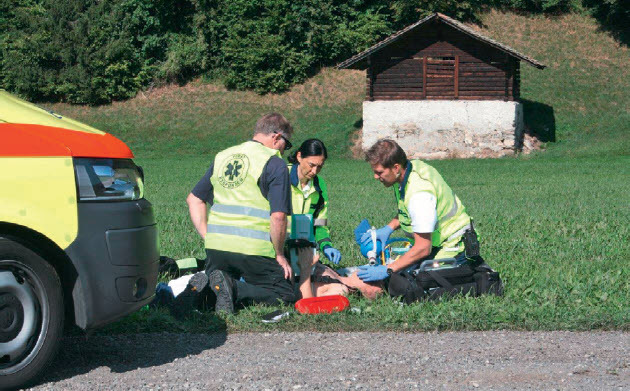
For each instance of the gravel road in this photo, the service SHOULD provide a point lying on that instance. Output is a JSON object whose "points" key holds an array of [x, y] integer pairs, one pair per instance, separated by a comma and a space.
{"points": [[456, 360]]}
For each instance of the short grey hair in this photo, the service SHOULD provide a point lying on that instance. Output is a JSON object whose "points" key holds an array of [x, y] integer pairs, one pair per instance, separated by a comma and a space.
{"points": [[273, 123]]}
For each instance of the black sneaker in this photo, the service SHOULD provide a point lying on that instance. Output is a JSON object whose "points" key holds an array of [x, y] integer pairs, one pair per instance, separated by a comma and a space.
{"points": [[187, 301], [222, 286]]}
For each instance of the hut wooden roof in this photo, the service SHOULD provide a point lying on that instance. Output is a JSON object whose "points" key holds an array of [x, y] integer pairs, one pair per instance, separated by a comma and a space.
{"points": [[359, 61]]}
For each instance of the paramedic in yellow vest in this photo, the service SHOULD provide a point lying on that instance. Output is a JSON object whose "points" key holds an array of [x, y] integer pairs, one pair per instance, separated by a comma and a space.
{"points": [[248, 190], [309, 193], [429, 212]]}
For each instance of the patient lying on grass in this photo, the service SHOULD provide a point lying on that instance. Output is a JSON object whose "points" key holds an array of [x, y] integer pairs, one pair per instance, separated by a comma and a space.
{"points": [[318, 280]]}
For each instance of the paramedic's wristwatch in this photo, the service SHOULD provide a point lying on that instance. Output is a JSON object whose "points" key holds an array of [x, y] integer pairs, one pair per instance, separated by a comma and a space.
{"points": [[389, 272]]}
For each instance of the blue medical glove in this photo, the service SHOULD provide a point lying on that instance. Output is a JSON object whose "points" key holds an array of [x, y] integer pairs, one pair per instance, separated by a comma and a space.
{"points": [[332, 254], [372, 273], [382, 234]]}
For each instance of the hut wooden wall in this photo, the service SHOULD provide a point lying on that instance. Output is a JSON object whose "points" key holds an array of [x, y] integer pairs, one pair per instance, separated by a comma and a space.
{"points": [[439, 62]]}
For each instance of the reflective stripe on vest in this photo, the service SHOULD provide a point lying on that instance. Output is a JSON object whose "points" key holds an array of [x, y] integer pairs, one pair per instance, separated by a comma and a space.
{"points": [[320, 222], [241, 210], [459, 233], [236, 231], [452, 212], [239, 219]]}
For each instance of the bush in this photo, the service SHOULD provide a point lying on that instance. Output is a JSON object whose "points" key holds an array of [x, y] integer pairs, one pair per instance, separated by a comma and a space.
{"points": [[93, 51], [187, 56], [542, 5], [406, 12], [264, 48], [273, 44], [25, 46], [613, 15]]}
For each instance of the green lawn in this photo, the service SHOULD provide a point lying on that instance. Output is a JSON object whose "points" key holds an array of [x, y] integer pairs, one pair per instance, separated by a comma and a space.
{"points": [[554, 223], [556, 229]]}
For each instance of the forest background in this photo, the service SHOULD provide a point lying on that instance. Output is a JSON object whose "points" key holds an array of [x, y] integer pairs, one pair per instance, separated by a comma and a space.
{"points": [[94, 52]]}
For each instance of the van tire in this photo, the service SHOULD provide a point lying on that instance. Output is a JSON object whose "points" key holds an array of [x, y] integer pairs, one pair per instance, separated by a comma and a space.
{"points": [[31, 314]]}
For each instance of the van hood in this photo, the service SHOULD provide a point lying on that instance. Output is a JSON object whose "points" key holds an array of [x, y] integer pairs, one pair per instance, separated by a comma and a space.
{"points": [[29, 130]]}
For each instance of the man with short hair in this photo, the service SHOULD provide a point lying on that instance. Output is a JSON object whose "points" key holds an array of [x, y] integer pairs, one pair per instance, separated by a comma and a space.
{"points": [[429, 212], [249, 192]]}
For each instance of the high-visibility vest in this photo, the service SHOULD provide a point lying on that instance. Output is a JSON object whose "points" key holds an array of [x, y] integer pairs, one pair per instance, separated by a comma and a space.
{"points": [[452, 219], [315, 202], [239, 219]]}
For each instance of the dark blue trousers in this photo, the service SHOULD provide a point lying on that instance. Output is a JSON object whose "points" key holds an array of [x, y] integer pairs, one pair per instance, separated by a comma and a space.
{"points": [[263, 277]]}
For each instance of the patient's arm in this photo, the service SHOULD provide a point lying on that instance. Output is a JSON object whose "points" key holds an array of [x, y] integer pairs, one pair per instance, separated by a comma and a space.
{"points": [[306, 260], [369, 290]]}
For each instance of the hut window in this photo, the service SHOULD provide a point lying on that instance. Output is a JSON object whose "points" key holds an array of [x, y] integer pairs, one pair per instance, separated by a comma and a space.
{"points": [[439, 76], [440, 58]]}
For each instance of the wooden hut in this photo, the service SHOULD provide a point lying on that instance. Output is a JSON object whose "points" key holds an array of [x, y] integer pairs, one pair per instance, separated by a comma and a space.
{"points": [[439, 58]]}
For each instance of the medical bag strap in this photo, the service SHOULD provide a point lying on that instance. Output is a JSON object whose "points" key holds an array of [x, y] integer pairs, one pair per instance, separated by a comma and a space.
{"points": [[440, 280], [319, 205], [483, 267]]}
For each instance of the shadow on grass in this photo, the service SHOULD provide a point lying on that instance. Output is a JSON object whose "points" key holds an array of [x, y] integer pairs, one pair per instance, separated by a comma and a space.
{"points": [[540, 120], [356, 140], [122, 353], [612, 17]]}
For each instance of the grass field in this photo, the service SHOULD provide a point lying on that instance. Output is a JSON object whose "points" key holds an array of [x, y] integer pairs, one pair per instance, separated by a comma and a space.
{"points": [[555, 228], [554, 223]]}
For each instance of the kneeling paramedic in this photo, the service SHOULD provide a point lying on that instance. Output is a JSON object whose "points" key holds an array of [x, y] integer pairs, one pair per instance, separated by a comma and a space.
{"points": [[429, 212], [309, 192], [249, 192]]}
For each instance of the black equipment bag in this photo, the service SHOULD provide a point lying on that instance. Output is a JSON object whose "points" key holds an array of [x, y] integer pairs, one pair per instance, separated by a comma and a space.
{"points": [[169, 267], [464, 279]]}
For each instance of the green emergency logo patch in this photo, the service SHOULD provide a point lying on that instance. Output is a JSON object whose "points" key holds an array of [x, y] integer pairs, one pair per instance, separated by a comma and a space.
{"points": [[234, 171]]}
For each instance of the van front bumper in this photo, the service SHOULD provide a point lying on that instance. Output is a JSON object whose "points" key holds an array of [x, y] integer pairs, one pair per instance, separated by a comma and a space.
{"points": [[116, 258]]}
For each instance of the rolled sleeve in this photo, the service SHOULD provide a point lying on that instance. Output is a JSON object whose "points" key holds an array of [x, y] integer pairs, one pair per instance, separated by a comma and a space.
{"points": [[423, 212], [275, 185], [203, 189]]}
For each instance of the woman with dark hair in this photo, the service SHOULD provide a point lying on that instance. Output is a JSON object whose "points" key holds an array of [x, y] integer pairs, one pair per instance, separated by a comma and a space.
{"points": [[309, 193]]}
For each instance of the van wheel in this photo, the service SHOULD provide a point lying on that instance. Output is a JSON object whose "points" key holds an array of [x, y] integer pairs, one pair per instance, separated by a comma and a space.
{"points": [[31, 314]]}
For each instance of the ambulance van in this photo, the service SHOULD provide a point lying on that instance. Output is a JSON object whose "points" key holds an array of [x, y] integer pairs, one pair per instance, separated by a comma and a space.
{"points": [[78, 240]]}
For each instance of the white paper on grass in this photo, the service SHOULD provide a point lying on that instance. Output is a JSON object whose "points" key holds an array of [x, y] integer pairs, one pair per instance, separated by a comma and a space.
{"points": [[179, 284]]}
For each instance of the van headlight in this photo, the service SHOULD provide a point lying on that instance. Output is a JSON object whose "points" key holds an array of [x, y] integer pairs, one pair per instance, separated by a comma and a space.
{"points": [[108, 179]]}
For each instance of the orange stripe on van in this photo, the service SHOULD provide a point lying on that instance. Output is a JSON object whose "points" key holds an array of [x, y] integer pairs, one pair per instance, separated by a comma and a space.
{"points": [[41, 140]]}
